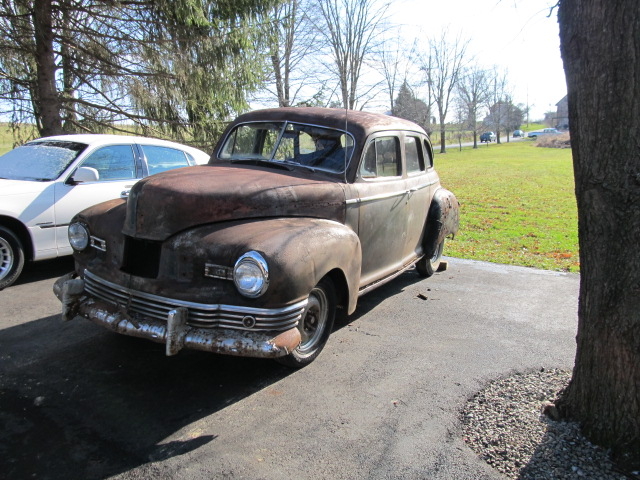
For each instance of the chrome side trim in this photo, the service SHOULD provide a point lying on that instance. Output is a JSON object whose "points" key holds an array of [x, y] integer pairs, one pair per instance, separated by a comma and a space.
{"points": [[372, 198], [383, 196]]}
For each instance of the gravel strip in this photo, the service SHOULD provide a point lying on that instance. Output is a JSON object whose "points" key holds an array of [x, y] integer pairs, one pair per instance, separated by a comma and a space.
{"points": [[505, 426]]}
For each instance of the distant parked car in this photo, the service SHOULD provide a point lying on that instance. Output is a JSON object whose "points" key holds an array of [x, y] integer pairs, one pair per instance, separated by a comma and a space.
{"points": [[546, 131], [518, 133], [45, 182], [487, 137]]}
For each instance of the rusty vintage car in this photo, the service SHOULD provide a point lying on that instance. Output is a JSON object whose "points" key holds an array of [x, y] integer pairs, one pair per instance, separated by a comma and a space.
{"points": [[298, 213]]}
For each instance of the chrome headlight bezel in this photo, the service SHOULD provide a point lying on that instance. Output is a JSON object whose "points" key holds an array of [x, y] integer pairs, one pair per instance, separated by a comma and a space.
{"points": [[251, 275], [78, 234]]}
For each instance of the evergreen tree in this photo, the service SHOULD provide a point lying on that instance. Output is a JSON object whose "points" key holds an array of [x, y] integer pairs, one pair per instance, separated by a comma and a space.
{"points": [[174, 68]]}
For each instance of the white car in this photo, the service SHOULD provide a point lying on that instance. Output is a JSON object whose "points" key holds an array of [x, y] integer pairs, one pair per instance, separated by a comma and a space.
{"points": [[45, 182], [546, 131]]}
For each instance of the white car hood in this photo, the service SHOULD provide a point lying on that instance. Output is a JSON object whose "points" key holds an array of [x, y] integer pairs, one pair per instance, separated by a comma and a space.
{"points": [[21, 187], [26, 200]]}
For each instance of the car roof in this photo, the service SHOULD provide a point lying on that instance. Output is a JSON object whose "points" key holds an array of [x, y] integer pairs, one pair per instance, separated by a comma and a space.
{"points": [[96, 139], [358, 123]]}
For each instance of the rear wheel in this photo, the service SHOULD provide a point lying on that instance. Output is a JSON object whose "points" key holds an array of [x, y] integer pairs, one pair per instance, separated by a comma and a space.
{"points": [[428, 266], [315, 325], [11, 257]]}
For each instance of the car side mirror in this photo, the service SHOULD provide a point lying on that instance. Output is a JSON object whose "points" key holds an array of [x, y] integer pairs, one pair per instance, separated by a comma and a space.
{"points": [[85, 174]]}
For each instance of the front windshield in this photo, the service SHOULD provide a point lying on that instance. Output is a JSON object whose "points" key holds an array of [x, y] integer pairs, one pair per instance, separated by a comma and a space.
{"points": [[290, 143], [39, 161]]}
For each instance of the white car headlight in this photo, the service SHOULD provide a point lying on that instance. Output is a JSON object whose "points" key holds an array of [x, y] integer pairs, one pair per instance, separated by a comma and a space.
{"points": [[78, 236], [251, 274]]}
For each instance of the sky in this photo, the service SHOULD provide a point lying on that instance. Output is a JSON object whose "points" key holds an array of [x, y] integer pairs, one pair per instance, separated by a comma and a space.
{"points": [[517, 36]]}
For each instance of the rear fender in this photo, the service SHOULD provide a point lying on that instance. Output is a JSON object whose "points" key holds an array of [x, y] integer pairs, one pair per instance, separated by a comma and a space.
{"points": [[442, 221]]}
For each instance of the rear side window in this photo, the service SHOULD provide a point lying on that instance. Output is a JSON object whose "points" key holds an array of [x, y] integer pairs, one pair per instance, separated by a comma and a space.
{"points": [[382, 159], [428, 153], [161, 159], [115, 162], [413, 154]]}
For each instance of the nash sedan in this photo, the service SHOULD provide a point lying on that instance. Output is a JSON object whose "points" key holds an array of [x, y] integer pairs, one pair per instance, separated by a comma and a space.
{"points": [[45, 182], [298, 213]]}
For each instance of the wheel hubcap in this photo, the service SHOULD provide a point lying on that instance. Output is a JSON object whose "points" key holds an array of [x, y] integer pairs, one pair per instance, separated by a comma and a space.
{"points": [[6, 258], [313, 324]]}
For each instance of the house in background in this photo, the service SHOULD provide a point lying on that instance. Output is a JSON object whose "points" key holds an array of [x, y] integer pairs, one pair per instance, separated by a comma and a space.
{"points": [[562, 114]]}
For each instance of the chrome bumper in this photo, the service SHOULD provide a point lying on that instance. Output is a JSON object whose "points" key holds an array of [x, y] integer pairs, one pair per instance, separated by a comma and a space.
{"points": [[175, 333]]}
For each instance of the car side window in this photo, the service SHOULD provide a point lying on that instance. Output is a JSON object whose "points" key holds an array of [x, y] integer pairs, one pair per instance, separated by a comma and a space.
{"points": [[427, 152], [161, 159], [413, 155], [382, 159], [114, 162]]}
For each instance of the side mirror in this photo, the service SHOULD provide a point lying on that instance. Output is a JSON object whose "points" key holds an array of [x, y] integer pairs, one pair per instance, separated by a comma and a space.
{"points": [[85, 174]]}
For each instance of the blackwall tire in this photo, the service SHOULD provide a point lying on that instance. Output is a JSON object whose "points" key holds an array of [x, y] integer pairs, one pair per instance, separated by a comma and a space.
{"points": [[428, 266], [315, 326], [11, 257]]}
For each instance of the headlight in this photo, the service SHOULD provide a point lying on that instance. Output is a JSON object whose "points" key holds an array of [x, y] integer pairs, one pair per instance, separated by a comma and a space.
{"points": [[251, 275], [78, 236]]}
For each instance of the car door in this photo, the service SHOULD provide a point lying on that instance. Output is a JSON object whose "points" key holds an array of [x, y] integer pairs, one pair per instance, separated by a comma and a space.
{"points": [[382, 204], [420, 184], [118, 169]]}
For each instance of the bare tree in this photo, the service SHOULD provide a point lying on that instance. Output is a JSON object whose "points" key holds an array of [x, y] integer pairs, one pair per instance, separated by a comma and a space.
{"points": [[600, 47], [351, 29], [497, 101], [443, 69], [504, 116], [292, 40], [473, 91], [392, 60]]}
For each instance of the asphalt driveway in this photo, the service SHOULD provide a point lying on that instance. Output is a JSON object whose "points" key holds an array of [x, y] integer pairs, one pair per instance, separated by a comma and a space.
{"points": [[382, 400]]}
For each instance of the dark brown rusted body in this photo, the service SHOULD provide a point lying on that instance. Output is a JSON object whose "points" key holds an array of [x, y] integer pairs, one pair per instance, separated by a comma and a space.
{"points": [[171, 247]]}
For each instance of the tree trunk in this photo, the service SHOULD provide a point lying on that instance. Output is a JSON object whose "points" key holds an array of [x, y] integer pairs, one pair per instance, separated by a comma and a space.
{"points": [[600, 46], [47, 95]]}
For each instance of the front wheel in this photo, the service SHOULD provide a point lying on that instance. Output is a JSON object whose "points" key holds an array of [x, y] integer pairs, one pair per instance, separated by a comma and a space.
{"points": [[11, 257], [315, 326], [428, 266]]}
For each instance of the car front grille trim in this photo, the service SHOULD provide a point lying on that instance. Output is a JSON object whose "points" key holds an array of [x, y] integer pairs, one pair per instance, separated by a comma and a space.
{"points": [[141, 304]]}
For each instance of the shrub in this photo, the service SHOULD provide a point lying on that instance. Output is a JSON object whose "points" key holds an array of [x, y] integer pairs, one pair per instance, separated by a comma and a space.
{"points": [[562, 140]]}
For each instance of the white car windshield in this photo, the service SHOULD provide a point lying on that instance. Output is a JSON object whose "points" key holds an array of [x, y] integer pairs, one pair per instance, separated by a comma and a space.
{"points": [[39, 161], [289, 143]]}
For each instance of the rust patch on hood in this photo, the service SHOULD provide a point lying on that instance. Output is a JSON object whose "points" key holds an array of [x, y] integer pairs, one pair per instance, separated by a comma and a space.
{"points": [[164, 204]]}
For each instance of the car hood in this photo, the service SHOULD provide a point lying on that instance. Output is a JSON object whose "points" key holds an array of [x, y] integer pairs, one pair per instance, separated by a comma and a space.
{"points": [[164, 204], [21, 187]]}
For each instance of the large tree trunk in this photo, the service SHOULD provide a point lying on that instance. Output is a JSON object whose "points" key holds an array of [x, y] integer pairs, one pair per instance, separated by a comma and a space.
{"points": [[600, 45], [47, 94]]}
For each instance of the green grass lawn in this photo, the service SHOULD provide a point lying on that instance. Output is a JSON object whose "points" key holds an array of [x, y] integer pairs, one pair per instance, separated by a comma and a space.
{"points": [[6, 139], [517, 205]]}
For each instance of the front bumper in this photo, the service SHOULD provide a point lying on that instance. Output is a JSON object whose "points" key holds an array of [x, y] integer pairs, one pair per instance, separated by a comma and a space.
{"points": [[174, 332]]}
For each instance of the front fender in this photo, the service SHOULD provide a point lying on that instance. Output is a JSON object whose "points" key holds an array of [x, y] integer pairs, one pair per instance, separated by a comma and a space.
{"points": [[443, 220], [298, 251]]}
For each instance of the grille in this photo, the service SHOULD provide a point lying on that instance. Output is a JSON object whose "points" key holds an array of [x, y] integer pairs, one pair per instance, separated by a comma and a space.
{"points": [[140, 304]]}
